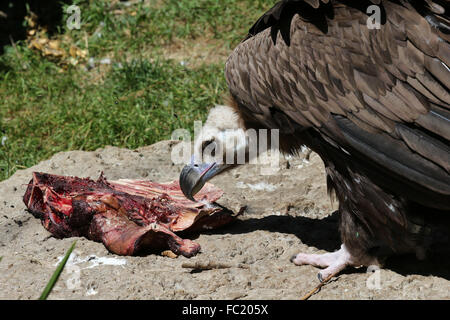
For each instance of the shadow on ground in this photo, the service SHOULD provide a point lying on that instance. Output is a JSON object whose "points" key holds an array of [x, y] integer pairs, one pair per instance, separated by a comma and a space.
{"points": [[12, 18], [323, 234]]}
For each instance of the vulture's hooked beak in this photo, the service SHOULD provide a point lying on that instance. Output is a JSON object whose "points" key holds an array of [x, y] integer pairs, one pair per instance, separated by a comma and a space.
{"points": [[194, 176]]}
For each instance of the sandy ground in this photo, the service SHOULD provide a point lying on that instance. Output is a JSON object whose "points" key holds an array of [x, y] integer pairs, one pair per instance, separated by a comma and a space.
{"points": [[286, 213]]}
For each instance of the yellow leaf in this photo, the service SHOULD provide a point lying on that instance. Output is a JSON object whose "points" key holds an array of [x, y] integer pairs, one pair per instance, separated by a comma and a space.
{"points": [[83, 53], [36, 44], [54, 44], [73, 51]]}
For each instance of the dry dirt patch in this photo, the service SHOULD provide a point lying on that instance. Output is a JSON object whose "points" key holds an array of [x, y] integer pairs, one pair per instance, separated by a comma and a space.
{"points": [[286, 213]]}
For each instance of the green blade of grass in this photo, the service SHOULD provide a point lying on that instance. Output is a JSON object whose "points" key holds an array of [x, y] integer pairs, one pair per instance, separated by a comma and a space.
{"points": [[56, 274]]}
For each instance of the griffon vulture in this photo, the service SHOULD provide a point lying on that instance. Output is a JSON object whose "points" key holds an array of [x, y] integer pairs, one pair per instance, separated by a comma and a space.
{"points": [[372, 101]]}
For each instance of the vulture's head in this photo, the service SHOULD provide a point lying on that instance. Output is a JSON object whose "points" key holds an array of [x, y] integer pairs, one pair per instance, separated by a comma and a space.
{"points": [[217, 148]]}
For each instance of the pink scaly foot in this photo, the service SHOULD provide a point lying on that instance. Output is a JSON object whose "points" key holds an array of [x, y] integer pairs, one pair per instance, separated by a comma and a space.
{"points": [[334, 262]]}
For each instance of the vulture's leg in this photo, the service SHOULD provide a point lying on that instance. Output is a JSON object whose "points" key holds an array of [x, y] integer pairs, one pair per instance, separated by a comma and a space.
{"points": [[334, 262]]}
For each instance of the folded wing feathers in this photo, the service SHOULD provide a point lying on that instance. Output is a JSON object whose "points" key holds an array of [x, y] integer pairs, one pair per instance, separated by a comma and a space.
{"points": [[402, 85], [430, 148]]}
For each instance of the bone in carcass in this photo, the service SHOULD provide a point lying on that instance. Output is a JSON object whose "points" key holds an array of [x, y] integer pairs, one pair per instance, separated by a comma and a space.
{"points": [[128, 216]]}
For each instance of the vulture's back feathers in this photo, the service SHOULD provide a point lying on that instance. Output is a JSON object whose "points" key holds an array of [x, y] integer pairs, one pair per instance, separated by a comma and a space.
{"points": [[380, 95], [280, 15]]}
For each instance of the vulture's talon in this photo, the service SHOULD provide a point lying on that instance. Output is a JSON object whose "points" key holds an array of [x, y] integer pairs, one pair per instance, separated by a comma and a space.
{"points": [[334, 262], [319, 275]]}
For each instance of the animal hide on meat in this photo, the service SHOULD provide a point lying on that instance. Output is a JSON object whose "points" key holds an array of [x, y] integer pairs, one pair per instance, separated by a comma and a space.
{"points": [[128, 216]]}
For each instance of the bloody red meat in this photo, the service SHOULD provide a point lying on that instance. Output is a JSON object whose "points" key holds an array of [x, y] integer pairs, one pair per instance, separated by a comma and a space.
{"points": [[128, 216]]}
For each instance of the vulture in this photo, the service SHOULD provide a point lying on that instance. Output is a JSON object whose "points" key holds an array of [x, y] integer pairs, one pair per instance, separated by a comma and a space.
{"points": [[364, 84]]}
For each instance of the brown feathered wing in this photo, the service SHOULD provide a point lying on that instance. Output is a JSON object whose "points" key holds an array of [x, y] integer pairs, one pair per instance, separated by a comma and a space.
{"points": [[381, 95]]}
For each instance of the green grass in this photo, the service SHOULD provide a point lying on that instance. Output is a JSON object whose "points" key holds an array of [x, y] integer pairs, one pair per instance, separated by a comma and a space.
{"points": [[155, 23], [59, 269], [137, 100]]}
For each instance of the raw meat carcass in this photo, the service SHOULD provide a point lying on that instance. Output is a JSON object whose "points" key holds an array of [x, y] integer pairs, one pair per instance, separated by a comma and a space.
{"points": [[128, 216]]}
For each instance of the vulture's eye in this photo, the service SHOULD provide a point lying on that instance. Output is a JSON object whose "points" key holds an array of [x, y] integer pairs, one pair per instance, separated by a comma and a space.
{"points": [[210, 147]]}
